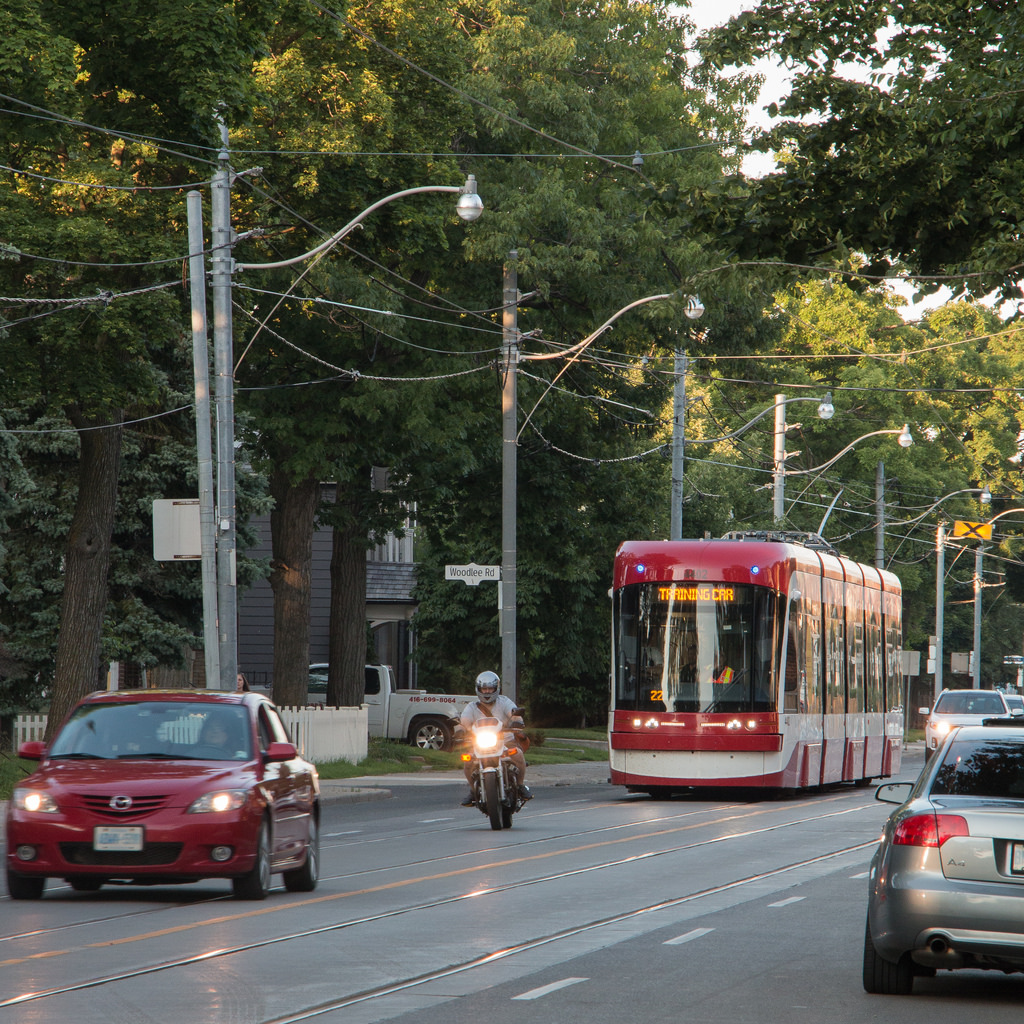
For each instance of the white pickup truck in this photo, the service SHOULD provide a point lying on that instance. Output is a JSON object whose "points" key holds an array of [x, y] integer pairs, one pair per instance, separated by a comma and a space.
{"points": [[413, 716]]}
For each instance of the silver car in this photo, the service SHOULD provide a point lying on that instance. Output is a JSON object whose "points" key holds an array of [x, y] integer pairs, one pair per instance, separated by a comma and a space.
{"points": [[959, 707], [946, 886]]}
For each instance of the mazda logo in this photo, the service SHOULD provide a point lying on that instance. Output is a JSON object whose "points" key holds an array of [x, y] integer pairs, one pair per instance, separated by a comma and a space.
{"points": [[120, 803]]}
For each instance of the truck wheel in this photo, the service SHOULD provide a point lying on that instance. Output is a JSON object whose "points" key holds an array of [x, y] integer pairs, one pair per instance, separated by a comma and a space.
{"points": [[431, 734]]}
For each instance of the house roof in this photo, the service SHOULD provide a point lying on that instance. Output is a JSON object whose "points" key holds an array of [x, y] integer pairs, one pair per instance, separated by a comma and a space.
{"points": [[390, 582]]}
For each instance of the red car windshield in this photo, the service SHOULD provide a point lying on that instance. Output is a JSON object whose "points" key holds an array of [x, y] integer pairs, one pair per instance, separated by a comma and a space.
{"points": [[171, 730]]}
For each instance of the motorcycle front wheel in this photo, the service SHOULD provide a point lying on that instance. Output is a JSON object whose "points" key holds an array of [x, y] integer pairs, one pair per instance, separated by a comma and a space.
{"points": [[492, 801]]}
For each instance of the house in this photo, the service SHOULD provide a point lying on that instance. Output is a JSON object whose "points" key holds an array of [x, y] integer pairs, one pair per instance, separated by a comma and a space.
{"points": [[390, 576]]}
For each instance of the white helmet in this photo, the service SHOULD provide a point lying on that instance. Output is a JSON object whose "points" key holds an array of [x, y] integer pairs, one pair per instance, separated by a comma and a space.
{"points": [[488, 686]]}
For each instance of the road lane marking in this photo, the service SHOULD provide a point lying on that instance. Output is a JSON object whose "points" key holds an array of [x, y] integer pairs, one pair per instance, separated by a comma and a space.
{"points": [[688, 937], [536, 993], [401, 883], [786, 903]]}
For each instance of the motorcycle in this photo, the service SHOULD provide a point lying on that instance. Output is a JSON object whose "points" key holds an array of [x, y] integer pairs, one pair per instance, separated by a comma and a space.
{"points": [[497, 790]]}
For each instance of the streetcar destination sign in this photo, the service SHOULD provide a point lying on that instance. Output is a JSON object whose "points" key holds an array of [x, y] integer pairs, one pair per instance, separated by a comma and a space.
{"points": [[472, 574]]}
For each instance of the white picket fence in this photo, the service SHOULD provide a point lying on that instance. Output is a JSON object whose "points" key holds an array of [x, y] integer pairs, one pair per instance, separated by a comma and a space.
{"points": [[320, 734]]}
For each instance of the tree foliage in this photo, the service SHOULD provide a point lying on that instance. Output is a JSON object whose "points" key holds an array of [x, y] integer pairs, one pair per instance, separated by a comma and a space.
{"points": [[900, 136]]}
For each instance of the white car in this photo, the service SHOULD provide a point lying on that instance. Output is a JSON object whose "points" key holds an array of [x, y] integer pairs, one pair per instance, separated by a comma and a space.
{"points": [[961, 707]]}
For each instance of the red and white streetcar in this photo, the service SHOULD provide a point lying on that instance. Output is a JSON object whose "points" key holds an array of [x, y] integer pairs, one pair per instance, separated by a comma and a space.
{"points": [[761, 660]]}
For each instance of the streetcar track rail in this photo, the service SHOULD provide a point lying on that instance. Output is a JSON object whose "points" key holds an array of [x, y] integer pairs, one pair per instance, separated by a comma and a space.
{"points": [[352, 999], [419, 863], [349, 1000]]}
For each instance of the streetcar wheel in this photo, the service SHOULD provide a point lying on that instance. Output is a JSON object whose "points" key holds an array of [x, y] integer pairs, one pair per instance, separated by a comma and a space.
{"points": [[24, 887], [304, 879], [432, 734], [491, 799], [255, 884], [882, 977]]}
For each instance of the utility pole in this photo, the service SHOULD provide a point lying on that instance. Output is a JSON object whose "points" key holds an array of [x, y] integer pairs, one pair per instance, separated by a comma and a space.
{"points": [[201, 371], [940, 586], [223, 362], [779, 493], [509, 466], [678, 445], [976, 673], [880, 516]]}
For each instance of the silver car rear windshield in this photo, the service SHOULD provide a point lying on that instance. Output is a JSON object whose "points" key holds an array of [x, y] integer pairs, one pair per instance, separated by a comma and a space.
{"points": [[987, 768]]}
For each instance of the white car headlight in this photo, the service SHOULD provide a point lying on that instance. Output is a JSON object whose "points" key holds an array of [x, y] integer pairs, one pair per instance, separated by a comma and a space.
{"points": [[218, 801], [35, 800], [942, 728]]}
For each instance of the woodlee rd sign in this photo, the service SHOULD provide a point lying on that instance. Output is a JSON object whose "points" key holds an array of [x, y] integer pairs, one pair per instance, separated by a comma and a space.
{"points": [[472, 574]]}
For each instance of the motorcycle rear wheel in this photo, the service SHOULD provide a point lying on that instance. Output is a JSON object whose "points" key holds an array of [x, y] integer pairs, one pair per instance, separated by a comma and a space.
{"points": [[492, 802]]}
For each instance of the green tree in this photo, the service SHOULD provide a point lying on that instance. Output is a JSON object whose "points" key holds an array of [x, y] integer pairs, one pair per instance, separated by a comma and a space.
{"points": [[92, 216], [901, 138]]}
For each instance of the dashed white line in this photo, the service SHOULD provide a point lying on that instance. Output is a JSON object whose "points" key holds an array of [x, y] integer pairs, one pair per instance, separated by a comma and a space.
{"points": [[687, 937], [786, 903], [536, 993]]}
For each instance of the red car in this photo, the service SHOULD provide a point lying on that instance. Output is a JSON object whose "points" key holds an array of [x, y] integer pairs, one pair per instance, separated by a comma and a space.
{"points": [[149, 787]]}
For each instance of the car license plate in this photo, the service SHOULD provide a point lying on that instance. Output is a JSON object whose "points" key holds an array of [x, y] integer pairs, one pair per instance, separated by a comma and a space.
{"points": [[124, 838], [1017, 859]]}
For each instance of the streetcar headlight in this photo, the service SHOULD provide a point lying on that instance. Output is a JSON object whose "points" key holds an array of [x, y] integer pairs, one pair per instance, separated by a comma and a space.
{"points": [[734, 723]]}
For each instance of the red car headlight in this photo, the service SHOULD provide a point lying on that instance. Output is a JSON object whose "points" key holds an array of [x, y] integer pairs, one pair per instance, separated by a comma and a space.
{"points": [[36, 801], [218, 801]]}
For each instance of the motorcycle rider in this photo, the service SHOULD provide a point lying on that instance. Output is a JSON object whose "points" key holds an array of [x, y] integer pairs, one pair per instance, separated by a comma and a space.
{"points": [[492, 703]]}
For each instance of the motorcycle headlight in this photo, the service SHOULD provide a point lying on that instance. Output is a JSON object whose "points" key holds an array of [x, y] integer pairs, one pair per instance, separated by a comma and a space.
{"points": [[486, 739], [37, 801], [219, 801]]}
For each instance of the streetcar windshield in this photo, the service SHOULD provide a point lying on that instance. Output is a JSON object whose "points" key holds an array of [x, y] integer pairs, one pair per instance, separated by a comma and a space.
{"points": [[692, 647]]}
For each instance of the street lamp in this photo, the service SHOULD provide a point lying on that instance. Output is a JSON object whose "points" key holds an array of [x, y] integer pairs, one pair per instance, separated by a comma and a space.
{"points": [[694, 310], [510, 433], [468, 207], [985, 496], [905, 439], [978, 554]]}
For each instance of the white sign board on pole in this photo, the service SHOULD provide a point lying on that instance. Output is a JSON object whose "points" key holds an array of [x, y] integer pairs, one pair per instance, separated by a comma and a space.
{"points": [[176, 535], [472, 574]]}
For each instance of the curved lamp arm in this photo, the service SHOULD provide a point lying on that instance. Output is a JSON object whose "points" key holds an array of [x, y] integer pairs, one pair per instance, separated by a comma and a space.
{"points": [[983, 491], [906, 440], [576, 350], [746, 426], [469, 207]]}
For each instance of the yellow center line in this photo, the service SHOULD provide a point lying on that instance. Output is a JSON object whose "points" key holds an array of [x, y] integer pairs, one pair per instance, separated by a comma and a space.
{"points": [[401, 883]]}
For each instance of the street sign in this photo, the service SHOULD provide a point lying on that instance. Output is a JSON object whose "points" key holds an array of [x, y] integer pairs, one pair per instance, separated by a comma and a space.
{"points": [[972, 531], [1013, 659], [176, 533], [472, 574]]}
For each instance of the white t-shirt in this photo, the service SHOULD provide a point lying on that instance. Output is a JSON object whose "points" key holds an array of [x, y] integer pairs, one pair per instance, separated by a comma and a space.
{"points": [[502, 709]]}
